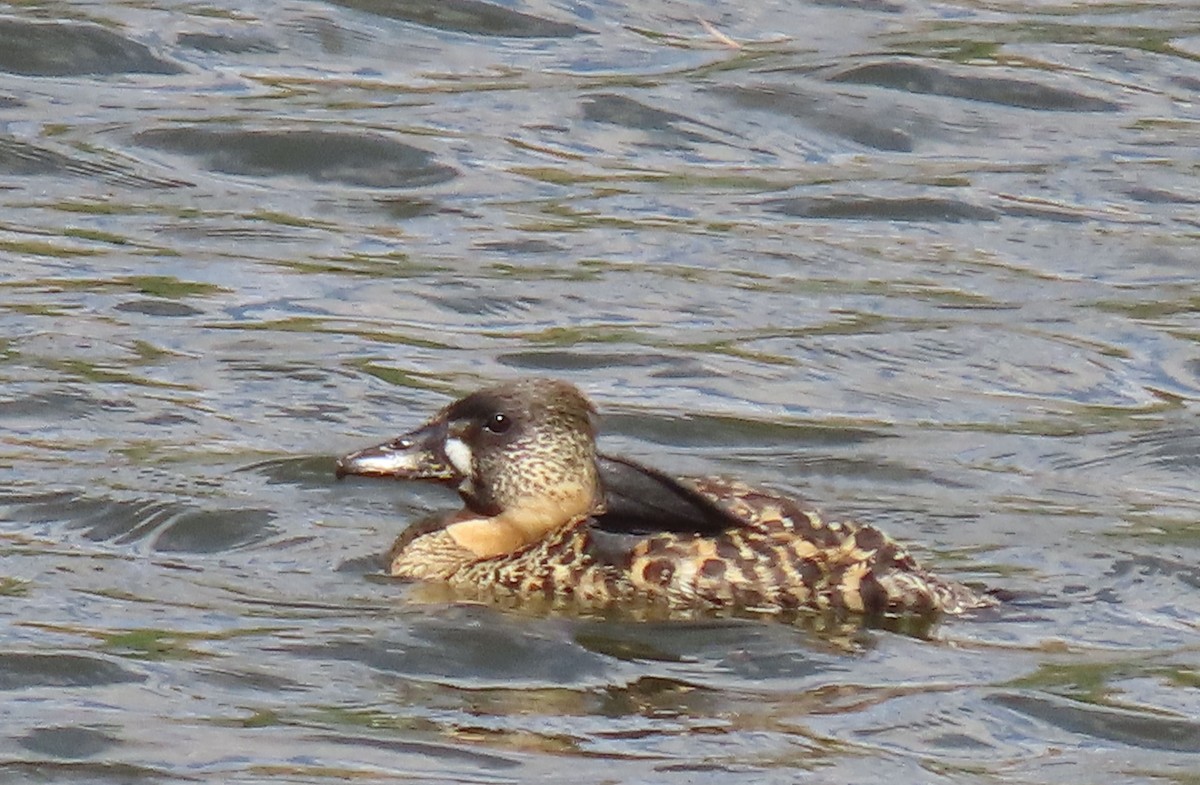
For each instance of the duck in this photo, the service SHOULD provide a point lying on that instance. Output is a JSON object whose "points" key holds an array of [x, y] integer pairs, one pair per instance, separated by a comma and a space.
{"points": [[547, 516]]}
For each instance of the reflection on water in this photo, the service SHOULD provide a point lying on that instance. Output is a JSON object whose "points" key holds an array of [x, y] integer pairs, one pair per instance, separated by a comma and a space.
{"points": [[364, 160], [932, 265], [33, 48]]}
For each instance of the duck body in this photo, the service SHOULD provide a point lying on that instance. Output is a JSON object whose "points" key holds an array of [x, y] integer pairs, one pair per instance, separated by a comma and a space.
{"points": [[548, 517]]}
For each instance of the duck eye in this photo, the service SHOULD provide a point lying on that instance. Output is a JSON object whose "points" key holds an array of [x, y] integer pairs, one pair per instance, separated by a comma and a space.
{"points": [[498, 423]]}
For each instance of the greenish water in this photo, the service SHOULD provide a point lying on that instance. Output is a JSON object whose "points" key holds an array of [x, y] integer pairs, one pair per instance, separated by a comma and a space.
{"points": [[931, 265]]}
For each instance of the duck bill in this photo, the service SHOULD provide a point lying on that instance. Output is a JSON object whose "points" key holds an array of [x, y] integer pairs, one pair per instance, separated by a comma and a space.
{"points": [[418, 455]]}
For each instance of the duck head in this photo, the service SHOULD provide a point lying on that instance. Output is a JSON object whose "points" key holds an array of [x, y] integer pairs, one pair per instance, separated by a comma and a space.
{"points": [[522, 456]]}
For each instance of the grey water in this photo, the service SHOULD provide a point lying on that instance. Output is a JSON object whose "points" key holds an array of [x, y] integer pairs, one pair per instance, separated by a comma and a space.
{"points": [[932, 265]]}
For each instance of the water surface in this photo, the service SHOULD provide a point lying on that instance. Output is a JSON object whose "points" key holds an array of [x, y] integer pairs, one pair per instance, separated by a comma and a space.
{"points": [[931, 264]]}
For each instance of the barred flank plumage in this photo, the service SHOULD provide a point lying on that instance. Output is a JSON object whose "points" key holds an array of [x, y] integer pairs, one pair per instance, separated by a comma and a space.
{"points": [[785, 559]]}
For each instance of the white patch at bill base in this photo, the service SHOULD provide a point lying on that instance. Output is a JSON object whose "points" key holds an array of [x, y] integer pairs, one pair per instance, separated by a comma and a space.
{"points": [[459, 455]]}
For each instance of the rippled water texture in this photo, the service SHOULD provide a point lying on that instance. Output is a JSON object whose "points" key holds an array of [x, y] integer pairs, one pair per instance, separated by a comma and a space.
{"points": [[931, 264]]}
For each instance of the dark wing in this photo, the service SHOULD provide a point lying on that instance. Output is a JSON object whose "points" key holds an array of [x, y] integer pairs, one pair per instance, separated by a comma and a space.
{"points": [[641, 500]]}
